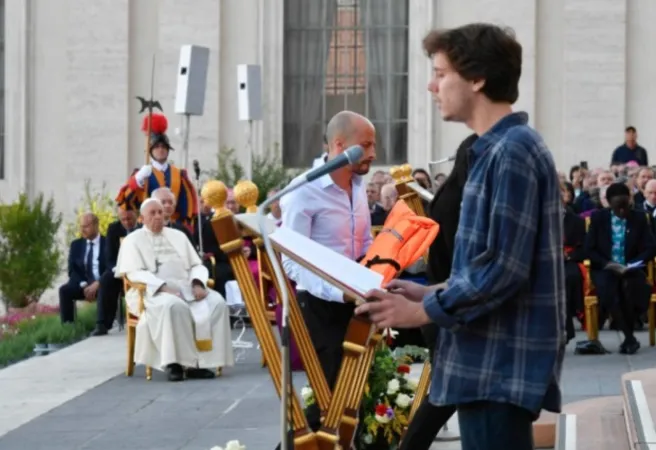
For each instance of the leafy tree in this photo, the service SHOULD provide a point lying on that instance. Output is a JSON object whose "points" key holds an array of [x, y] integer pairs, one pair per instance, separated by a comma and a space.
{"points": [[30, 259], [268, 170]]}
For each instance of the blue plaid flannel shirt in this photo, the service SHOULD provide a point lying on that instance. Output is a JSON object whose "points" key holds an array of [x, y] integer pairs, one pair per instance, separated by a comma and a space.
{"points": [[502, 316]]}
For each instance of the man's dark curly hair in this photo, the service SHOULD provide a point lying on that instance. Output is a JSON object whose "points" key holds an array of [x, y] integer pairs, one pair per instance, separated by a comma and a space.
{"points": [[481, 51]]}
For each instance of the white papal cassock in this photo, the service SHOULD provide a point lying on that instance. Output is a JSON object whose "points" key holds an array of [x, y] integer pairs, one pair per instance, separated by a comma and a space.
{"points": [[171, 330]]}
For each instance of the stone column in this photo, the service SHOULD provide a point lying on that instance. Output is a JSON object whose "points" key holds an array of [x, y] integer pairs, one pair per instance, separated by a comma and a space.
{"points": [[420, 104]]}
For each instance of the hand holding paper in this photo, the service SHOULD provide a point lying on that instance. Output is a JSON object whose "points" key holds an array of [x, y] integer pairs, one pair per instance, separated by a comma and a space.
{"points": [[388, 310]]}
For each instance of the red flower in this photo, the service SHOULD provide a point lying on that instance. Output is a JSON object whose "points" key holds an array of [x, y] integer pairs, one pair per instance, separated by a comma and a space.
{"points": [[381, 409], [403, 368]]}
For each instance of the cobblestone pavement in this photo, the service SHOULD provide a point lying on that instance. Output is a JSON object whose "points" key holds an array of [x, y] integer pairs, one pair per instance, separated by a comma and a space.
{"points": [[124, 413]]}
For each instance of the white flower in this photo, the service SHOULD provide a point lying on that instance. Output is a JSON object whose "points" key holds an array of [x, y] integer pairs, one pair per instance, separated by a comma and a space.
{"points": [[234, 445], [382, 419], [390, 332], [393, 386], [306, 393], [368, 439], [411, 384], [403, 400]]}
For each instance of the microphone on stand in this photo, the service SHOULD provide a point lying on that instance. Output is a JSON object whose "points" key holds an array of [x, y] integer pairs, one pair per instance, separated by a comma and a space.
{"points": [[351, 156], [442, 161], [200, 219]]}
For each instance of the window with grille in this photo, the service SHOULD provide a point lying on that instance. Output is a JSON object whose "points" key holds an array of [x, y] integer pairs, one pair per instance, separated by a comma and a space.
{"points": [[345, 55]]}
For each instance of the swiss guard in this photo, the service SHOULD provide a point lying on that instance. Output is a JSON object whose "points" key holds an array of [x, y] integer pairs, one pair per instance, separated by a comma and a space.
{"points": [[158, 172]]}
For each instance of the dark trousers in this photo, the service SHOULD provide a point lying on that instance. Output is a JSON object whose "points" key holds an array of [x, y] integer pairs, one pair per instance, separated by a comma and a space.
{"points": [[68, 294], [574, 295], [426, 423], [622, 296], [326, 323], [109, 293], [495, 426]]}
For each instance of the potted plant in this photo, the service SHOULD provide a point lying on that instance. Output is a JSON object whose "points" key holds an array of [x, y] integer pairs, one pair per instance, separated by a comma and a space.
{"points": [[386, 403]]}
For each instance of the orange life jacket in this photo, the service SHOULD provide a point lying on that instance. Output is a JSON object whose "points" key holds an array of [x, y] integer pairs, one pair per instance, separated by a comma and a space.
{"points": [[404, 238]]}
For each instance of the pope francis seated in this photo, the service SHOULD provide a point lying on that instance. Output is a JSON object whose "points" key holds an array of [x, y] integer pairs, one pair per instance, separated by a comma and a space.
{"points": [[185, 324]]}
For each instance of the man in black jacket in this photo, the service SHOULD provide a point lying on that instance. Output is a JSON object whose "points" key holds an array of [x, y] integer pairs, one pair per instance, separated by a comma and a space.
{"points": [[574, 252], [111, 288], [86, 263], [445, 210], [619, 245]]}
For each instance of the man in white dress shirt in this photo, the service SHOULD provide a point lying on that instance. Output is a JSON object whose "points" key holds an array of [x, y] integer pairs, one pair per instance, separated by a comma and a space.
{"points": [[333, 211], [184, 324]]}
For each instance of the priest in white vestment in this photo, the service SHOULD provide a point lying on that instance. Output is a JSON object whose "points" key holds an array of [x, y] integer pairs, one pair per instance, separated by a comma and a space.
{"points": [[185, 324]]}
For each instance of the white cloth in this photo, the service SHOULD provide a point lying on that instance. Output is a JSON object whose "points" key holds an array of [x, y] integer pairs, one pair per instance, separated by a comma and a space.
{"points": [[323, 211], [172, 330]]}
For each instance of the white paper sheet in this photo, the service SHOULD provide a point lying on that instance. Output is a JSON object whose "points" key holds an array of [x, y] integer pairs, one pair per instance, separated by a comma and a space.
{"points": [[322, 259], [346, 271]]}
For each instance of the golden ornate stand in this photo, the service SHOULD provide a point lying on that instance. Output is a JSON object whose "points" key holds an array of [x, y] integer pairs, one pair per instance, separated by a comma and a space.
{"points": [[339, 408]]}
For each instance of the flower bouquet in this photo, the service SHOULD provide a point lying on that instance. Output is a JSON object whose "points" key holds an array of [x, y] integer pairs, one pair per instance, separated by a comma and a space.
{"points": [[386, 403], [230, 445]]}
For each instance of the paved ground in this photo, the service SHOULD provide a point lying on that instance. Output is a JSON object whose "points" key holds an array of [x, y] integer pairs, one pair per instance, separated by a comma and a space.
{"points": [[80, 399]]}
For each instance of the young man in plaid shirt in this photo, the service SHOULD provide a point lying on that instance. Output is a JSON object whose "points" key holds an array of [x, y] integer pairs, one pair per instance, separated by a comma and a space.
{"points": [[502, 310]]}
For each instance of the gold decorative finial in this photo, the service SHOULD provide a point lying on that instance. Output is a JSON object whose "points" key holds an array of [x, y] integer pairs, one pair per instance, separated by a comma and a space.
{"points": [[215, 194], [246, 194], [406, 172], [395, 172]]}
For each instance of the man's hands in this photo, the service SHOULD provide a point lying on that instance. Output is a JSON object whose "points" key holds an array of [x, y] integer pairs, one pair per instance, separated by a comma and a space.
{"points": [[169, 290], [412, 291], [143, 174], [389, 310], [91, 290]]}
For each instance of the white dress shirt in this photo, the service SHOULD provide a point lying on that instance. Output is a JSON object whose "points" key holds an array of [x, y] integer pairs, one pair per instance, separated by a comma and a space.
{"points": [[323, 211], [95, 259]]}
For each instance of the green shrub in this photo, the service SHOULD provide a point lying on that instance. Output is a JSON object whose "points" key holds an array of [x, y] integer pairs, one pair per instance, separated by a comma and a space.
{"points": [[30, 259], [268, 171]]}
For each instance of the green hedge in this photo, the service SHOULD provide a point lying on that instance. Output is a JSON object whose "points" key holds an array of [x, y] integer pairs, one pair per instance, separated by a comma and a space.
{"points": [[46, 329]]}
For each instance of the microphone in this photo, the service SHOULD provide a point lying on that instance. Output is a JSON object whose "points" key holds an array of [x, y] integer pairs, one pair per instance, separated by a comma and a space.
{"points": [[441, 161], [352, 155], [196, 169]]}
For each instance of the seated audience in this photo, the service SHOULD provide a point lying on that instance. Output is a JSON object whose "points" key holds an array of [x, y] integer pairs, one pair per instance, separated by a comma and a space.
{"points": [[423, 178], [111, 288], [86, 262], [185, 324], [617, 238], [377, 212], [574, 235], [388, 197], [231, 203]]}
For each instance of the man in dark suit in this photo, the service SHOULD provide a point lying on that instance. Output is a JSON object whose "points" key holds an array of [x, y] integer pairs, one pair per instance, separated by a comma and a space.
{"points": [[86, 263], [619, 237], [221, 271], [111, 287]]}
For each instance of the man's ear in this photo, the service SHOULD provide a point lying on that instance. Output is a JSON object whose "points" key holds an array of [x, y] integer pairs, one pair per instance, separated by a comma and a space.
{"points": [[478, 85]]}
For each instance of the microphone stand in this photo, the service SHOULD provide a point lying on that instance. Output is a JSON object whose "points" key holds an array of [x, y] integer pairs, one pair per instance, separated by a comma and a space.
{"points": [[350, 156], [285, 397], [200, 215]]}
